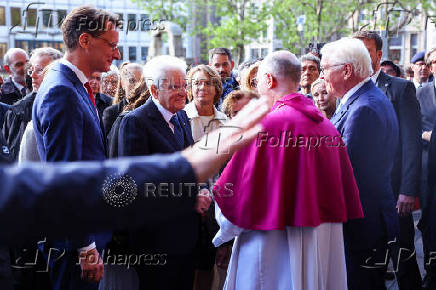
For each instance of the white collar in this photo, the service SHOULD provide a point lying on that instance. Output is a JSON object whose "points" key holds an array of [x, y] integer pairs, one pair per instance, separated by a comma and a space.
{"points": [[80, 75], [417, 83], [167, 115], [374, 77], [352, 91], [191, 111]]}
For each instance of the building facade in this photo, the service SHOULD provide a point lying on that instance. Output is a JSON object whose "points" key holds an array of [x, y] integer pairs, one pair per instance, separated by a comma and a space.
{"points": [[32, 24]]}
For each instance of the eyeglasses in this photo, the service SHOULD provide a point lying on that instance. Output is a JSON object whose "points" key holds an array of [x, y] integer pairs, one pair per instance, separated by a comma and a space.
{"points": [[112, 45], [324, 69], [37, 70]]}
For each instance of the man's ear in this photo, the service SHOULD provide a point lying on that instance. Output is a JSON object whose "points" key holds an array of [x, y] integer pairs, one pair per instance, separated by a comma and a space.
{"points": [[348, 71], [84, 40], [270, 81], [7, 69], [154, 91], [233, 64]]}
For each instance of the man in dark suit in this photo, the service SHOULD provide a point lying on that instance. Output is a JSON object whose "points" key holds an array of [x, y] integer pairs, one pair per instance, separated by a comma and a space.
{"points": [[407, 166], [426, 96], [162, 126], [14, 88], [20, 114], [367, 122], [67, 125], [102, 101]]}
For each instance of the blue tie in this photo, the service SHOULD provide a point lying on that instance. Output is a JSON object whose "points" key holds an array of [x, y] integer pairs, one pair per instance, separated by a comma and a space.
{"points": [[178, 132]]}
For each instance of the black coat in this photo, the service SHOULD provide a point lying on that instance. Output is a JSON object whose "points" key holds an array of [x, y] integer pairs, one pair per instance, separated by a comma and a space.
{"points": [[111, 113], [144, 131], [102, 101], [15, 123], [407, 165], [10, 93], [3, 109]]}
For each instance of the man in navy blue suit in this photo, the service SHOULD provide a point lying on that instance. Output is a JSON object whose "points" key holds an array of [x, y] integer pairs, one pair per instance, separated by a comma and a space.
{"points": [[367, 122], [162, 126], [67, 125], [407, 166]]}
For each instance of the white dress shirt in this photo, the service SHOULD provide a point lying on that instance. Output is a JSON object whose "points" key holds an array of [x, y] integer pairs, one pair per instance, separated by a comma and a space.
{"points": [[167, 115]]}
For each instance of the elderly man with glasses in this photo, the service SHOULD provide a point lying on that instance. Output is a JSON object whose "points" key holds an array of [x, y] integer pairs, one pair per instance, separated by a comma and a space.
{"points": [[367, 122]]}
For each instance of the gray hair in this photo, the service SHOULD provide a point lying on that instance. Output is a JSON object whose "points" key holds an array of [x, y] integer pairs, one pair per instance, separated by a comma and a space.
{"points": [[157, 67], [108, 74], [54, 54], [311, 57], [7, 56], [351, 51], [282, 64]]}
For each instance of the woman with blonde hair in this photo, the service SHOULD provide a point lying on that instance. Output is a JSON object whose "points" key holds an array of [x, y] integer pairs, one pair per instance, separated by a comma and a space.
{"points": [[248, 77], [236, 100], [204, 90], [324, 101]]}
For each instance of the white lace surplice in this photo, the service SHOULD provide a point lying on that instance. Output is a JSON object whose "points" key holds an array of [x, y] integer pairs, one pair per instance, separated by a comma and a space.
{"points": [[309, 258]]}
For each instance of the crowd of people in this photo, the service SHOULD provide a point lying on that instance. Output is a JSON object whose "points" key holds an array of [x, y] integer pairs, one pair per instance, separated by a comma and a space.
{"points": [[314, 190]]}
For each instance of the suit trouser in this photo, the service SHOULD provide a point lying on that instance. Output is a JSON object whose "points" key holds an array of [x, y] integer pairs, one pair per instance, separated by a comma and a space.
{"points": [[366, 266], [404, 256]]}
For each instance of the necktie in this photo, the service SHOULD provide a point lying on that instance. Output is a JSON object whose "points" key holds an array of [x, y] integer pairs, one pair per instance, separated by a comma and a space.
{"points": [[91, 95], [23, 91], [178, 133]]}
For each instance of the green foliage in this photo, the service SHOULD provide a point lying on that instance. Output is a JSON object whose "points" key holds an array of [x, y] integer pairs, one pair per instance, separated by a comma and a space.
{"points": [[244, 21]]}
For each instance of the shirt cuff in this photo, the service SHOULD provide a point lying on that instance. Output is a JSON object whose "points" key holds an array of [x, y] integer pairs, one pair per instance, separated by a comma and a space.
{"points": [[88, 248]]}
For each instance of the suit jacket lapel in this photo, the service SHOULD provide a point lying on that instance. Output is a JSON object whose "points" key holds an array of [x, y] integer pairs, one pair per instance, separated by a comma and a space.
{"points": [[82, 92], [159, 122], [336, 119]]}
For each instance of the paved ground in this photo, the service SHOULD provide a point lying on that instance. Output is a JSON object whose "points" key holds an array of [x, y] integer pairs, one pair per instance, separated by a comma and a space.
{"points": [[392, 285]]}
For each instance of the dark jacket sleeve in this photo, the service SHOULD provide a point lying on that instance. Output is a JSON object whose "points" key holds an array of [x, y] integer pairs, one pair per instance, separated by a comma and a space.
{"points": [[132, 137], [72, 199], [409, 119]]}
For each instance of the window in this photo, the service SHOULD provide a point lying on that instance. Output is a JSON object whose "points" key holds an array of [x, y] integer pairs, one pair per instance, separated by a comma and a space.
{"points": [[254, 53], [396, 41], [132, 53], [144, 53], [145, 22], [263, 52], [413, 44], [31, 16], [15, 16], [131, 22], [47, 18], [3, 49], [2, 16], [61, 16]]}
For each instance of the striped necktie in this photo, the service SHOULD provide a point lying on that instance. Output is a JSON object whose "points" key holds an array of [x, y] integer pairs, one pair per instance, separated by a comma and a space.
{"points": [[178, 132]]}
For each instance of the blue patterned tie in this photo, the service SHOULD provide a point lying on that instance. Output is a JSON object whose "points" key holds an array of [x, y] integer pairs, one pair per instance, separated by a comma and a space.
{"points": [[178, 132]]}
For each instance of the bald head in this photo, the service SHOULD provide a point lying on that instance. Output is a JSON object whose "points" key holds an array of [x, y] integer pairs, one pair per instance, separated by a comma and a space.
{"points": [[279, 74], [15, 61]]}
